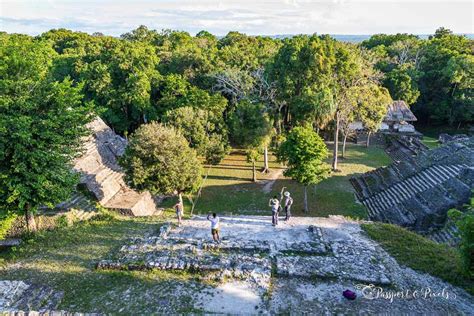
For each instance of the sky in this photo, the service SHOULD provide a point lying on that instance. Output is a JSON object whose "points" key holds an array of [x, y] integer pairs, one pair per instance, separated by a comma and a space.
{"points": [[254, 17]]}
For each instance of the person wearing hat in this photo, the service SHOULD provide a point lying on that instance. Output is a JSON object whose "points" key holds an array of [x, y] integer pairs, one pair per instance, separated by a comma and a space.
{"points": [[287, 204]]}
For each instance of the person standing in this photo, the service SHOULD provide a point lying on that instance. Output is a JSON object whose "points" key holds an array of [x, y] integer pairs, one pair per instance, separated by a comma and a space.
{"points": [[288, 203], [214, 227], [274, 203], [178, 207]]}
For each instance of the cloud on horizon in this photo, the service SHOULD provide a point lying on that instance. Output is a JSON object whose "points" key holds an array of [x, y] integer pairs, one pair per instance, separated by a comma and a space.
{"points": [[251, 17]]}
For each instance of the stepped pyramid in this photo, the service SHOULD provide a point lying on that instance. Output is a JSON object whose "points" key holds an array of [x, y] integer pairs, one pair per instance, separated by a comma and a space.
{"points": [[417, 193], [102, 175]]}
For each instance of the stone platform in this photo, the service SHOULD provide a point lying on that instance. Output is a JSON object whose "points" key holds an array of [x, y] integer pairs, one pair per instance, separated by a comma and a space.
{"points": [[302, 266]]}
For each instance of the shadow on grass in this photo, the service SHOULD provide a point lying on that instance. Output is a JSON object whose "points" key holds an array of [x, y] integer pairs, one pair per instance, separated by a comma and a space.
{"points": [[333, 197]]}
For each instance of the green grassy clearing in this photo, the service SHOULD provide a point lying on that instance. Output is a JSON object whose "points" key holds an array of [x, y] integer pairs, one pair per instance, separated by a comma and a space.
{"points": [[421, 254], [65, 259], [229, 190], [430, 142]]}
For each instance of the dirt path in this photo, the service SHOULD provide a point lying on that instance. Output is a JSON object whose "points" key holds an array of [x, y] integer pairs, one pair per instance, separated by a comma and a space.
{"points": [[267, 188]]}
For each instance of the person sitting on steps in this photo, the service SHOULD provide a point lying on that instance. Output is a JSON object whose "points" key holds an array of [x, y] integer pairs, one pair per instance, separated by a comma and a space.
{"points": [[214, 227]]}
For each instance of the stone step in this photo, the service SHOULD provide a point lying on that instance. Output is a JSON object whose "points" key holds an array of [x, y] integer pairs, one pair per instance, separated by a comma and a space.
{"points": [[406, 189], [37, 298]]}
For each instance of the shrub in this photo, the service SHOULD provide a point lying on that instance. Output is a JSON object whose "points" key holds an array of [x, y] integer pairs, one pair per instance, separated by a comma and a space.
{"points": [[6, 222], [464, 221]]}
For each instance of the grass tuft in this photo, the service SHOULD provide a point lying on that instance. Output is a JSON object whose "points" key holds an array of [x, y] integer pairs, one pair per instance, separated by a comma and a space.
{"points": [[420, 253]]}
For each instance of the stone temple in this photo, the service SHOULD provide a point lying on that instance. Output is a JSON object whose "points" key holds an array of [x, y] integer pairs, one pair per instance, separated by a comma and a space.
{"points": [[103, 177], [418, 192]]}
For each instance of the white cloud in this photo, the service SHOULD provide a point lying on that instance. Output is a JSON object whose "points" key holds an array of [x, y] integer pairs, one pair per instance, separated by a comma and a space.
{"points": [[250, 16]]}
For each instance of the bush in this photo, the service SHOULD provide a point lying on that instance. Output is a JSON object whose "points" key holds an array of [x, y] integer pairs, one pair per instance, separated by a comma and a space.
{"points": [[465, 224], [6, 222]]}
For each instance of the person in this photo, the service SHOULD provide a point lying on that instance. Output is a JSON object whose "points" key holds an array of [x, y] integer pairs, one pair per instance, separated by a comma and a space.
{"points": [[288, 203], [214, 227], [178, 207], [275, 205]]}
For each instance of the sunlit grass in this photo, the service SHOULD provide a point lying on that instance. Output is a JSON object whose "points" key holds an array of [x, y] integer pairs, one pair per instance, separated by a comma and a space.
{"points": [[229, 190]]}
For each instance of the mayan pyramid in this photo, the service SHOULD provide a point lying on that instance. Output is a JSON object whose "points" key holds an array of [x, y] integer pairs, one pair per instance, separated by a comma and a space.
{"points": [[102, 175]]}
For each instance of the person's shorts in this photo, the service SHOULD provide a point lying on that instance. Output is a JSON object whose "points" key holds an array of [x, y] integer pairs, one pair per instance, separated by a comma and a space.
{"points": [[214, 231]]}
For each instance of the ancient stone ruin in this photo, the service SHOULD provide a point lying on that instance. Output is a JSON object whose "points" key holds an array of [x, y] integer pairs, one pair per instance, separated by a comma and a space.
{"points": [[298, 267], [417, 192], [102, 175]]}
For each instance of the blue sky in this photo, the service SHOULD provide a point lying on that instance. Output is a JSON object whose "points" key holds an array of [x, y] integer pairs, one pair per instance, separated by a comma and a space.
{"points": [[250, 16]]}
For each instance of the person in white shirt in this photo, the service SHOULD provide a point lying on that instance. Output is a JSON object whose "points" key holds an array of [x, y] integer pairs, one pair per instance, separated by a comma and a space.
{"points": [[288, 203], [214, 226]]}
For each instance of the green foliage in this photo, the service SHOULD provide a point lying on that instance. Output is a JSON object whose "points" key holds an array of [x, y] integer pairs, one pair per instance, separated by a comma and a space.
{"points": [[216, 149], [6, 222], [434, 75], [158, 159], [41, 124], [250, 126], [303, 72], [385, 40], [401, 85], [420, 253], [465, 224], [372, 103], [304, 152]]}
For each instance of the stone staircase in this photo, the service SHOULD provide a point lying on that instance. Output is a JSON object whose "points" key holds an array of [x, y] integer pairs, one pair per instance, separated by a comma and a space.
{"points": [[409, 187], [20, 296], [102, 175], [418, 192], [446, 235]]}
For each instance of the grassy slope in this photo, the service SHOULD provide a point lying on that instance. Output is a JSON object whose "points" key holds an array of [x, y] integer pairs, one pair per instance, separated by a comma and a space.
{"points": [[420, 253], [65, 259], [229, 189]]}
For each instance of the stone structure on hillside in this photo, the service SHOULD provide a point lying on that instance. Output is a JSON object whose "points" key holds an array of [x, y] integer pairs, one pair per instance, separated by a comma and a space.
{"points": [[102, 175], [396, 123], [417, 193]]}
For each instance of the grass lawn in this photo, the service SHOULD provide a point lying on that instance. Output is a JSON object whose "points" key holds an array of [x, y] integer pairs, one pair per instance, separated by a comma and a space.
{"points": [[430, 142], [421, 254], [229, 190], [65, 260]]}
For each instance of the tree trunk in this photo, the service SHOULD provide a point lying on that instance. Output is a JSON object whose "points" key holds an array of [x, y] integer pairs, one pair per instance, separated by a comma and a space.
{"points": [[254, 177], [30, 220], [265, 161], [198, 194], [344, 146], [368, 139], [306, 199], [336, 143], [180, 197]]}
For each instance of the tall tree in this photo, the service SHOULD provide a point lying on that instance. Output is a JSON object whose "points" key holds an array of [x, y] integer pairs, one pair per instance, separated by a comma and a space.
{"points": [[159, 159], [250, 128], [41, 125], [304, 153]]}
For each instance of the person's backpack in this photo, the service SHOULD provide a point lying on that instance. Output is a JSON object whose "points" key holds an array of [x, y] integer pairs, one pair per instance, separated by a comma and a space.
{"points": [[290, 201]]}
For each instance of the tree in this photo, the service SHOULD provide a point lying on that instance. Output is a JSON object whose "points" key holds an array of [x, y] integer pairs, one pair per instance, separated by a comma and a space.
{"points": [[401, 85], [41, 125], [250, 128], [159, 159], [372, 104], [304, 153], [302, 71]]}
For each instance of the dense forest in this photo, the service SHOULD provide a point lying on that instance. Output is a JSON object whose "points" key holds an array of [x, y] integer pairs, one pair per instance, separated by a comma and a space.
{"points": [[242, 90]]}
